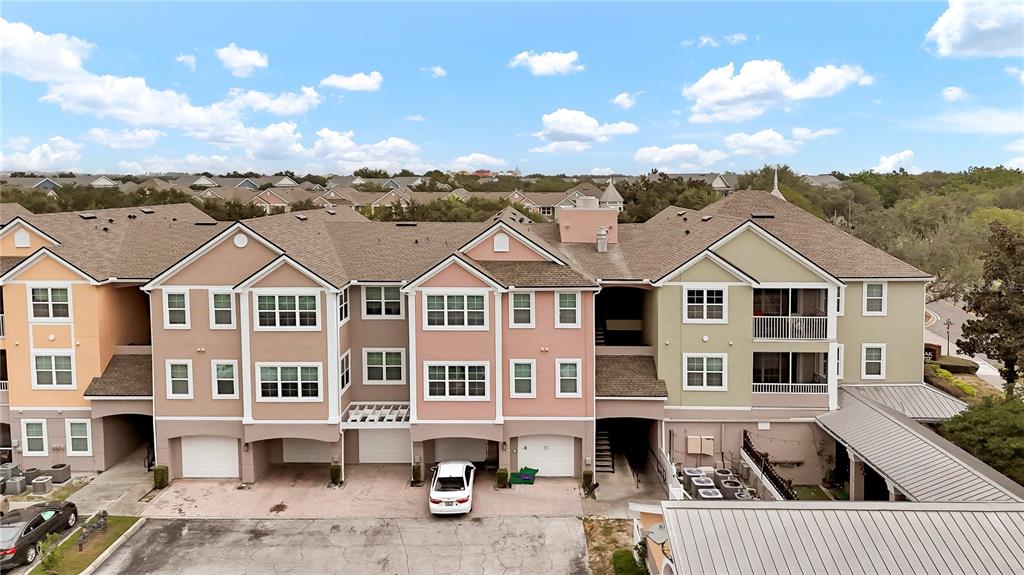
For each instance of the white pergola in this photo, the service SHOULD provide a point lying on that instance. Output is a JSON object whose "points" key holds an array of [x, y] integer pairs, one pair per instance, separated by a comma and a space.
{"points": [[375, 415]]}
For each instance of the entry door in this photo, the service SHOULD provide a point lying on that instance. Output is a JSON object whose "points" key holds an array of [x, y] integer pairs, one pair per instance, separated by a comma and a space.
{"points": [[385, 446], [553, 455], [209, 456]]}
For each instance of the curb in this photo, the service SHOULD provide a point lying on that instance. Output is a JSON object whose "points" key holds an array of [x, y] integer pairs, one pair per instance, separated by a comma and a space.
{"points": [[932, 317], [113, 547]]}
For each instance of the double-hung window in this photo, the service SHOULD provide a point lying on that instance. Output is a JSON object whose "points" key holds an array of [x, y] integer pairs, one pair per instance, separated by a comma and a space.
{"points": [[33, 436], [222, 310], [523, 372], [345, 370], [456, 381], [382, 302], [522, 309], [705, 372], [343, 306], [179, 379], [79, 436], [705, 305], [51, 303], [874, 299], [567, 377], [384, 366], [456, 311], [567, 309], [287, 311], [224, 374], [873, 361], [294, 382], [176, 315], [53, 371]]}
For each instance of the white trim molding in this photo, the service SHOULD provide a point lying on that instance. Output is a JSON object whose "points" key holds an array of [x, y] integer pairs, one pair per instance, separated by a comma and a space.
{"points": [[884, 297], [165, 293], [214, 379], [559, 362], [558, 308], [298, 365], [88, 437], [24, 439], [704, 371], [512, 393], [191, 378], [864, 347], [384, 351], [447, 396], [704, 288]]}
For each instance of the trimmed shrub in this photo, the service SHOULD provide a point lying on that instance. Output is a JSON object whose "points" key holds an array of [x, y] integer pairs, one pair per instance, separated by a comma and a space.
{"points": [[957, 364], [417, 473], [160, 475], [625, 564], [501, 478], [335, 474], [588, 478]]}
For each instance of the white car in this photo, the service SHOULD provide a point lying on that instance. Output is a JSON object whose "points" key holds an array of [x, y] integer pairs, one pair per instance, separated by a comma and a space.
{"points": [[451, 489]]}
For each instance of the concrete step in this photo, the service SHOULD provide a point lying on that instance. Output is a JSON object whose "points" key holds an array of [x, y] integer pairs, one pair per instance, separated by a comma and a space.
{"points": [[604, 469]]}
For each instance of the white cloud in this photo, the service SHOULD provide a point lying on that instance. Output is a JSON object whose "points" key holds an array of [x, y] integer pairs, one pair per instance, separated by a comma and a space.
{"points": [[625, 100], [435, 71], [125, 139], [39, 57], [683, 156], [992, 121], [130, 167], [19, 144], [359, 82], [415, 118], [568, 130], [1016, 72], [561, 148], [805, 134], [601, 172], [707, 42], [547, 63], [979, 29], [57, 153], [188, 163], [892, 162], [241, 61], [724, 95], [1015, 163], [953, 94], [1016, 146], [687, 43], [476, 160], [340, 152], [187, 60], [737, 38], [284, 104], [763, 143]]}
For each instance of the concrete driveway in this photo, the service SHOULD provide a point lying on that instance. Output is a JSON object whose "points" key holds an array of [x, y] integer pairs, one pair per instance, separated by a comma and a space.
{"points": [[426, 546], [373, 491]]}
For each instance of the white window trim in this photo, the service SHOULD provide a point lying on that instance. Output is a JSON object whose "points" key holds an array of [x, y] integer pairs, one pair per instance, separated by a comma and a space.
{"points": [[841, 295], [511, 310], [362, 303], [482, 292], [213, 324], [368, 381], [294, 292], [885, 299], [88, 436], [22, 239], [558, 379], [213, 377], [258, 383], [167, 378], [724, 288], [503, 246], [24, 439], [49, 285], [188, 309], [512, 379], [53, 352], [348, 307], [487, 381], [840, 360], [863, 361], [725, 371], [579, 306], [347, 354]]}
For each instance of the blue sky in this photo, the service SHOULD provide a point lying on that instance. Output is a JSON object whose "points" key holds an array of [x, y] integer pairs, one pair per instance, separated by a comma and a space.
{"points": [[331, 87]]}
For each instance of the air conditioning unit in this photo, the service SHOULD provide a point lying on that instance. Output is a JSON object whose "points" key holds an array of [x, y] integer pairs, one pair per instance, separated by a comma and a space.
{"points": [[744, 471], [730, 487], [700, 482], [721, 475], [709, 495]]}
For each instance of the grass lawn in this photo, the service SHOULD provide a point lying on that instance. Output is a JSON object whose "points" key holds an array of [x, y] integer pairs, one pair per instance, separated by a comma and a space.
{"points": [[810, 493], [59, 493], [74, 561], [839, 494], [604, 536]]}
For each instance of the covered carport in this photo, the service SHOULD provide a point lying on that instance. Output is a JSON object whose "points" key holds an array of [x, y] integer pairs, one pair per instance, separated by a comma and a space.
{"points": [[122, 411]]}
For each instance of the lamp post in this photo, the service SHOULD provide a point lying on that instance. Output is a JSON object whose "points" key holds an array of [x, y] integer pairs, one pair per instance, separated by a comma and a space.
{"points": [[948, 323]]}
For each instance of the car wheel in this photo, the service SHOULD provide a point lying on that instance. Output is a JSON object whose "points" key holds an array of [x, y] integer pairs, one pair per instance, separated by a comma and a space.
{"points": [[72, 520], [30, 555]]}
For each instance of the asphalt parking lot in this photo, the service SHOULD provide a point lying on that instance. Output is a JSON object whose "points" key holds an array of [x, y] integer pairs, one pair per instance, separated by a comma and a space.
{"points": [[399, 546]]}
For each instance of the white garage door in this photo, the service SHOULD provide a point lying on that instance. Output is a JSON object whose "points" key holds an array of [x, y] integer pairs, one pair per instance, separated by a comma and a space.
{"points": [[385, 446], [551, 454], [306, 451], [209, 456], [460, 448]]}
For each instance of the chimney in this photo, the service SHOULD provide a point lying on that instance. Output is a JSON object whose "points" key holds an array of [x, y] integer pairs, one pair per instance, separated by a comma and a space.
{"points": [[602, 239], [588, 223]]}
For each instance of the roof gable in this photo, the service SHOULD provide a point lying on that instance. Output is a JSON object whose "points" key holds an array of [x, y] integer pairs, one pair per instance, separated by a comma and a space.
{"points": [[103, 182], [758, 264], [275, 267], [463, 264], [59, 268], [512, 232], [46, 184], [20, 223], [229, 232], [203, 181], [285, 182], [706, 258]]}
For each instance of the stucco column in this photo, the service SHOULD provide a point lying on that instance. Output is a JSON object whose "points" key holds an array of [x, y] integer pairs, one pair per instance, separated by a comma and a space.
{"points": [[247, 464], [856, 478], [833, 376], [504, 452]]}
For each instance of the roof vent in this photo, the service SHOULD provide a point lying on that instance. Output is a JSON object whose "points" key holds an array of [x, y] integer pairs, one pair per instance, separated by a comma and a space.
{"points": [[765, 215], [681, 213], [332, 212], [87, 216], [206, 223], [132, 216], [706, 218], [106, 229], [146, 210], [406, 224], [110, 220], [301, 217], [686, 232]]}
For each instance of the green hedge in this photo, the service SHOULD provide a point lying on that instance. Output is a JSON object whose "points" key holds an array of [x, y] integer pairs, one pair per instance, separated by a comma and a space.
{"points": [[335, 474], [160, 475], [501, 478], [625, 564], [957, 364]]}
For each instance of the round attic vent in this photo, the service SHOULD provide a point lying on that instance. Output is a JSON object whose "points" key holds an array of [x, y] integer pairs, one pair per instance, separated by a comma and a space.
{"points": [[241, 240]]}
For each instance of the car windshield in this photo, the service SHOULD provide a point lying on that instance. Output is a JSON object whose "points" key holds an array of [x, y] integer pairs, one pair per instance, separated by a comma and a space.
{"points": [[450, 484]]}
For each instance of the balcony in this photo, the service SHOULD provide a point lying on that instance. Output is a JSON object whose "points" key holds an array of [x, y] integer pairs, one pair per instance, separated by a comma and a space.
{"points": [[790, 373], [2, 332], [791, 327], [791, 314]]}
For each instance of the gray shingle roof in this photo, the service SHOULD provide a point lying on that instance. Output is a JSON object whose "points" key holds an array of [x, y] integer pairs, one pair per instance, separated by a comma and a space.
{"points": [[628, 376], [11, 210], [918, 401], [125, 376], [924, 466], [535, 274]]}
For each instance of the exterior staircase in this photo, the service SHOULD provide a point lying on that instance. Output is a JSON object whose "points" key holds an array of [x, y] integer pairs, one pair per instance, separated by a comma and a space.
{"points": [[599, 332], [603, 460]]}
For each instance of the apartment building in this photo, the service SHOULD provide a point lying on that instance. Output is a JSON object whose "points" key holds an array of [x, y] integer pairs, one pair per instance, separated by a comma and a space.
{"points": [[322, 337]]}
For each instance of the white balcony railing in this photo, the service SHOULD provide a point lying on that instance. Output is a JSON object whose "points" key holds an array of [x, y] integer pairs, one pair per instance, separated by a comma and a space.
{"points": [[790, 387], [790, 327], [3, 385], [2, 332]]}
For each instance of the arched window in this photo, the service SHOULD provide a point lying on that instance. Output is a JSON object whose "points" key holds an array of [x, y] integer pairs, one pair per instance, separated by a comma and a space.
{"points": [[21, 239], [501, 243]]}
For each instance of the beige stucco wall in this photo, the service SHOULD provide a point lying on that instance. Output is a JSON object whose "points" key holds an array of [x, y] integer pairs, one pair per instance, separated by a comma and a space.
{"points": [[373, 333], [902, 330], [766, 263]]}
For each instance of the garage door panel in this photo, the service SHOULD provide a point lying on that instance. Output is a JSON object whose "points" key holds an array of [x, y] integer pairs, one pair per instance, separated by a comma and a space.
{"points": [[209, 456], [552, 455], [307, 451], [385, 446]]}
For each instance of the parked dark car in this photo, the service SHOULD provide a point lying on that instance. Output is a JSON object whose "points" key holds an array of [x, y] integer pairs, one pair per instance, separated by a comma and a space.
{"points": [[21, 530]]}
